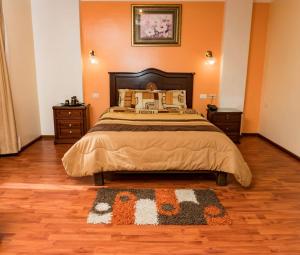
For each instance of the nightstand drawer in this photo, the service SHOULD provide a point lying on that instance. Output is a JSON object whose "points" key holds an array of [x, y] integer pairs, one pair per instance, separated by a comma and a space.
{"points": [[76, 114], [226, 117], [70, 133], [69, 123], [229, 127]]}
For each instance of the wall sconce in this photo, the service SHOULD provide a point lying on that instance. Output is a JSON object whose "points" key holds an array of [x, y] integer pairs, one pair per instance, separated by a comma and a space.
{"points": [[93, 58], [210, 60]]}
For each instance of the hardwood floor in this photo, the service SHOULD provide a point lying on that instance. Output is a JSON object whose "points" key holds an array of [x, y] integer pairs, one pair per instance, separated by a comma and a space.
{"points": [[42, 211]]}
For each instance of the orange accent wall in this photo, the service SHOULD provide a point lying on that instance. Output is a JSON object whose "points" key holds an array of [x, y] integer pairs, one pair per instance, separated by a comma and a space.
{"points": [[106, 28], [255, 67]]}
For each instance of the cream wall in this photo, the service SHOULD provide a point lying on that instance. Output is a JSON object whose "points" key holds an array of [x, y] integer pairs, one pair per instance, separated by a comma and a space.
{"points": [[280, 108], [236, 40], [56, 33], [21, 65]]}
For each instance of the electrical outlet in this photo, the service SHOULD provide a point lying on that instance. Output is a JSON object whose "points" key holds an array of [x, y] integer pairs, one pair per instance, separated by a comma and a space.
{"points": [[203, 96]]}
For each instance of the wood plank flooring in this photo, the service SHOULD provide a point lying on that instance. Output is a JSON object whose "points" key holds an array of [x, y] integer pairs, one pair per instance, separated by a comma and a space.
{"points": [[42, 211]]}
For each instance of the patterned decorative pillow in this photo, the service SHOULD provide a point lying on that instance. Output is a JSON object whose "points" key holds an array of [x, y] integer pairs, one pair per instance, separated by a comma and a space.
{"points": [[146, 111], [152, 100], [126, 98], [143, 111], [173, 99], [121, 109], [146, 99]]}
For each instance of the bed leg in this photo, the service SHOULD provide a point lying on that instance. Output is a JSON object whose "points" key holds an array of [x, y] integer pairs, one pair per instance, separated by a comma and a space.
{"points": [[99, 179], [221, 179]]}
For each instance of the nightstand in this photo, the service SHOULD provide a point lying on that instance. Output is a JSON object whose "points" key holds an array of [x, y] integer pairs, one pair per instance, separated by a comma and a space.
{"points": [[227, 119], [70, 123]]}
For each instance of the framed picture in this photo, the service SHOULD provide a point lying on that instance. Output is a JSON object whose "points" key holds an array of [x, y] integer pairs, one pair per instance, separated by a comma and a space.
{"points": [[156, 25]]}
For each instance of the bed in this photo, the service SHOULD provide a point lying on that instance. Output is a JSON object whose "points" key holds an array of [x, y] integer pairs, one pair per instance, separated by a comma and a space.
{"points": [[129, 142]]}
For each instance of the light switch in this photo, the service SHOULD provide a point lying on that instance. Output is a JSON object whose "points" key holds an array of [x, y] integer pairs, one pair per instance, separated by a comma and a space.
{"points": [[203, 96]]}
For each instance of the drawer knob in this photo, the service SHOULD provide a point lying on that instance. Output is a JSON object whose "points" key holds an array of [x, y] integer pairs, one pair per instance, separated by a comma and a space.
{"points": [[227, 128], [70, 113], [70, 132], [70, 125]]}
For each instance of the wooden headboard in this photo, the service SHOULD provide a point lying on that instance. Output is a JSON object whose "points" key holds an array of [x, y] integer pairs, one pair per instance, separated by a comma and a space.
{"points": [[139, 80]]}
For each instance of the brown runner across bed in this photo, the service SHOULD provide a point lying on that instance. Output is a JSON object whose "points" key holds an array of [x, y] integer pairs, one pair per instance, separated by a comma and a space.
{"points": [[145, 128], [142, 125]]}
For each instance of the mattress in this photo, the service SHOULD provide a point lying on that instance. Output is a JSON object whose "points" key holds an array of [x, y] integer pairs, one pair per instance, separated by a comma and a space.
{"points": [[129, 141]]}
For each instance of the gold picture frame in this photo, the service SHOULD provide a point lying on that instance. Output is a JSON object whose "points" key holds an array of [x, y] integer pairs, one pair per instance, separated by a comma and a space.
{"points": [[156, 24]]}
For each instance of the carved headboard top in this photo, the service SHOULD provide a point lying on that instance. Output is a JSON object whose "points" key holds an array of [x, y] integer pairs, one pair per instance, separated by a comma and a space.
{"points": [[148, 79]]}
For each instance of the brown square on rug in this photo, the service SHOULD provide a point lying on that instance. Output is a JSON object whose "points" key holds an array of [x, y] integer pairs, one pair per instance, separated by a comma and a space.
{"points": [[157, 206]]}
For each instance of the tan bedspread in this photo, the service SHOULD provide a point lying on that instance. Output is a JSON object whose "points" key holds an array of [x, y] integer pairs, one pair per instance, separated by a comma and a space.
{"points": [[148, 142]]}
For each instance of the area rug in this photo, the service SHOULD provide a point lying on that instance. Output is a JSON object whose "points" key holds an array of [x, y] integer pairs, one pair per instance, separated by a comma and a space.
{"points": [[157, 207]]}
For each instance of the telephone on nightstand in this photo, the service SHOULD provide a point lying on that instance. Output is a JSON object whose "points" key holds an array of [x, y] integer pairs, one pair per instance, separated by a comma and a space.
{"points": [[212, 107], [74, 102]]}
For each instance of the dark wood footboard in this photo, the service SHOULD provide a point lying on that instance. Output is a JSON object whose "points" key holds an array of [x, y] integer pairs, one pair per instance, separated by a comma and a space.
{"points": [[221, 177], [99, 179]]}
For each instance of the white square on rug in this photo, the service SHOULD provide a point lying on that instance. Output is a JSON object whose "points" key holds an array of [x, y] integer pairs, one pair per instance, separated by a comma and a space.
{"points": [[94, 218], [146, 212], [185, 195]]}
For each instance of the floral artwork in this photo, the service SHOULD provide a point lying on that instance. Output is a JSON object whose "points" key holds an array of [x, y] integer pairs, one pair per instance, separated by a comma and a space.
{"points": [[156, 25]]}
